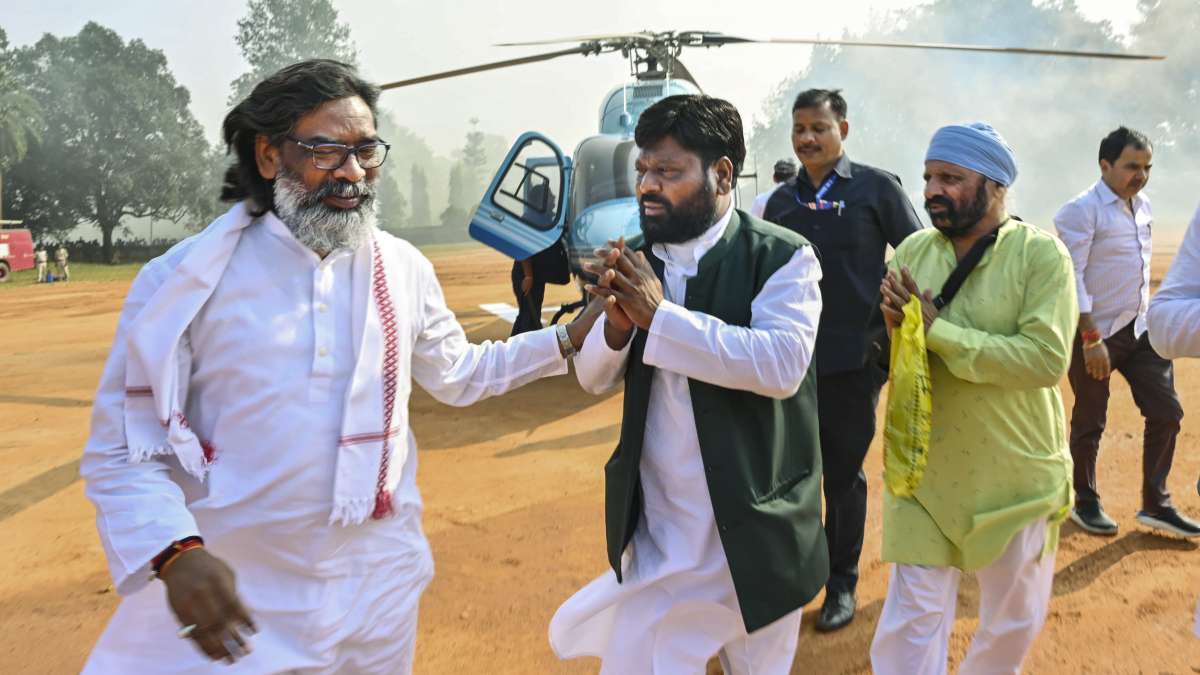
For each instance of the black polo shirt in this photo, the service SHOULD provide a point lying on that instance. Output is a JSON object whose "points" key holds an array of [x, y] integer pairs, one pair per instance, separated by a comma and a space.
{"points": [[852, 240]]}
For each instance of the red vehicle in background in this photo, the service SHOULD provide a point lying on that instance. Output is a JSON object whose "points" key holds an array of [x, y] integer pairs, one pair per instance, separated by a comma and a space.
{"points": [[16, 252]]}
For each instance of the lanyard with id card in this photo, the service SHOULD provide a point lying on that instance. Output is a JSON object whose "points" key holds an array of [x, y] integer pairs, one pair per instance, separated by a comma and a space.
{"points": [[820, 204]]}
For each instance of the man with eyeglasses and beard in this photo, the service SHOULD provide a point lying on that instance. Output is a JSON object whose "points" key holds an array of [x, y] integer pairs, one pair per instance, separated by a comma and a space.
{"points": [[713, 495], [253, 413], [997, 479]]}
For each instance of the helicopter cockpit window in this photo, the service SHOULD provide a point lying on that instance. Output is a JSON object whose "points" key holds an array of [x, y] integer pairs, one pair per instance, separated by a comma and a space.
{"points": [[604, 170], [530, 187]]}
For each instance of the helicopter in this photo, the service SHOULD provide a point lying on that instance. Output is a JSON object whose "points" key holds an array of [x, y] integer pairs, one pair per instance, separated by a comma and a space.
{"points": [[541, 197]]}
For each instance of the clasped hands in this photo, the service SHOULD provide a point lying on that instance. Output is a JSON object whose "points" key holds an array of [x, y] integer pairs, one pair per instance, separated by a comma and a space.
{"points": [[627, 287], [896, 292]]}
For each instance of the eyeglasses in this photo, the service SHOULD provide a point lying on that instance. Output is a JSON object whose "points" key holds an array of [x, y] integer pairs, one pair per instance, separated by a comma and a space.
{"points": [[331, 156]]}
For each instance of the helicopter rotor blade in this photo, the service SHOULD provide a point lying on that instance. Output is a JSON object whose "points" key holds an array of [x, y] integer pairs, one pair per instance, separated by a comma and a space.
{"points": [[487, 66], [967, 48], [704, 38], [580, 39]]}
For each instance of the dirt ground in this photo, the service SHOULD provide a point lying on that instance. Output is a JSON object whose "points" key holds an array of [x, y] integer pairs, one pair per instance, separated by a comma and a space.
{"points": [[514, 513]]}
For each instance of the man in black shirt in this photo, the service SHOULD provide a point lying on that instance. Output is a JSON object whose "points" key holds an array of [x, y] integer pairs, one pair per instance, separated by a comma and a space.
{"points": [[850, 212]]}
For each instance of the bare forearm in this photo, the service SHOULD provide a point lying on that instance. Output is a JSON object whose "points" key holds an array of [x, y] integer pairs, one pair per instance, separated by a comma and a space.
{"points": [[1086, 323]]}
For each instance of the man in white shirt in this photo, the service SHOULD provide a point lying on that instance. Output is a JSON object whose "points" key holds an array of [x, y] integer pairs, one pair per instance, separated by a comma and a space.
{"points": [[1107, 230], [253, 414], [1173, 321], [785, 170], [712, 498]]}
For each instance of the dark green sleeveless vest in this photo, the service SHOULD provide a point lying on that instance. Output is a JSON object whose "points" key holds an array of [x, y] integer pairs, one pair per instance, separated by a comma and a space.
{"points": [[762, 455]]}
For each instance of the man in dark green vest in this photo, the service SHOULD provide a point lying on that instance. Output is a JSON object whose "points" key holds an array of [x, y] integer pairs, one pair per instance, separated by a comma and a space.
{"points": [[713, 496]]}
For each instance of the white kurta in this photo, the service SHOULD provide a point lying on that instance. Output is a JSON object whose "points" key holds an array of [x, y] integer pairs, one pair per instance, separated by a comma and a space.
{"points": [[272, 355], [677, 606], [1174, 317]]}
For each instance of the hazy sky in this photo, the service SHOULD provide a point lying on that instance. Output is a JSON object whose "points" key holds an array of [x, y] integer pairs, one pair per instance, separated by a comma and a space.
{"points": [[399, 39]]}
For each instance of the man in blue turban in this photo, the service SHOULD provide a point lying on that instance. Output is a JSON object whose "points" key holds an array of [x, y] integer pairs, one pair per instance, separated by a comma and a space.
{"points": [[996, 483], [963, 149]]}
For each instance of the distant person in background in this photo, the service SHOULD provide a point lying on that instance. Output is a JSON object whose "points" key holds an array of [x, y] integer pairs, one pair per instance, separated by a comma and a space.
{"points": [[42, 261], [851, 213], [548, 266], [785, 170], [60, 263], [1107, 230]]}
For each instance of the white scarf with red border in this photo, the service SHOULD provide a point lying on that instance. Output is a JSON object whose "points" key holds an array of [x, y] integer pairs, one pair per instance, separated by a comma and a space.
{"points": [[158, 368]]}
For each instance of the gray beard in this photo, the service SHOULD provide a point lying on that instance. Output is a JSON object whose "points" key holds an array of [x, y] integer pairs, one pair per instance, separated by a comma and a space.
{"points": [[317, 226]]}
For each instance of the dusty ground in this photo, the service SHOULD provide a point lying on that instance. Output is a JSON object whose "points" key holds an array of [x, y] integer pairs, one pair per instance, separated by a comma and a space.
{"points": [[514, 512]]}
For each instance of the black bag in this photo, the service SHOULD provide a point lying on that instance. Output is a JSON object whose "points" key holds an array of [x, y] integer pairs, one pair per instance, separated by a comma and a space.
{"points": [[965, 267]]}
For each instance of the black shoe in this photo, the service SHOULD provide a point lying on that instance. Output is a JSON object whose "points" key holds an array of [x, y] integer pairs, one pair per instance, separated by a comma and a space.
{"points": [[837, 611], [1171, 521], [1092, 518]]}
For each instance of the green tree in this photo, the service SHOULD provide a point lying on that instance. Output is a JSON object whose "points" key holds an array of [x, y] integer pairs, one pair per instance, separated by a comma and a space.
{"points": [[277, 33], [474, 163], [421, 213], [455, 214], [1052, 110], [393, 207], [21, 122], [1166, 97], [120, 141]]}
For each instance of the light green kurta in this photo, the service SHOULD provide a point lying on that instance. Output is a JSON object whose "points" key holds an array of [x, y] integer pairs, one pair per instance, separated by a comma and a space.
{"points": [[998, 455]]}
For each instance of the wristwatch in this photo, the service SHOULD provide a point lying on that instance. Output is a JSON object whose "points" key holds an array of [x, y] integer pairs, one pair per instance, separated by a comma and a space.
{"points": [[565, 347]]}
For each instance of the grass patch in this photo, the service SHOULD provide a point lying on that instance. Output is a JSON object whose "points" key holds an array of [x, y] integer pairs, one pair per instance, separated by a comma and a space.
{"points": [[442, 250], [80, 273], [99, 272]]}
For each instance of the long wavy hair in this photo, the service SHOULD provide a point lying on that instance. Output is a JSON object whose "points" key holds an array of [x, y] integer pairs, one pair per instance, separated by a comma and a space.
{"points": [[272, 109]]}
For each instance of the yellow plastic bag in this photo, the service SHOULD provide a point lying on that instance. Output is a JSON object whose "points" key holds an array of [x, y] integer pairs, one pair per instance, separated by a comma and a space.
{"points": [[909, 406]]}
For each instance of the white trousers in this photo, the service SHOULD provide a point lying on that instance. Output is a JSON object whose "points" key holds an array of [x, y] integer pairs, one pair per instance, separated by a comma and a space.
{"points": [[365, 625], [913, 633], [663, 651]]}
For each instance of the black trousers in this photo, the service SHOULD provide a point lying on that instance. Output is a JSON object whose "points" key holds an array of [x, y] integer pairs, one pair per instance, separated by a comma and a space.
{"points": [[1152, 382], [529, 307], [846, 405]]}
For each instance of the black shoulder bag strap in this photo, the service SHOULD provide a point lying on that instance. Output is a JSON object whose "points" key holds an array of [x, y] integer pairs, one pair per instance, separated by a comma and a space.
{"points": [[965, 267]]}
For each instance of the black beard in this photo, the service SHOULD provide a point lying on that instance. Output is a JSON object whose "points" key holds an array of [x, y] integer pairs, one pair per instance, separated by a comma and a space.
{"points": [[679, 223], [954, 224]]}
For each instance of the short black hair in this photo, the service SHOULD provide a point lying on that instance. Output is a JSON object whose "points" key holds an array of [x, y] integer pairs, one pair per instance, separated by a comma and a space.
{"points": [[710, 127], [272, 109], [1115, 143], [785, 169], [815, 98]]}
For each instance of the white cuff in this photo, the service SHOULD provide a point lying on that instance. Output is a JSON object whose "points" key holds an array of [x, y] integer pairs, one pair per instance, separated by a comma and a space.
{"points": [[666, 320]]}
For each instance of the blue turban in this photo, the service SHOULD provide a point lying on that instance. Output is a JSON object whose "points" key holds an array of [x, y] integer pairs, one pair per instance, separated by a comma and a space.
{"points": [[976, 146]]}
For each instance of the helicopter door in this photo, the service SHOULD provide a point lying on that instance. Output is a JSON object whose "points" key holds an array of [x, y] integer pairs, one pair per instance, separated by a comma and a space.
{"points": [[524, 209]]}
